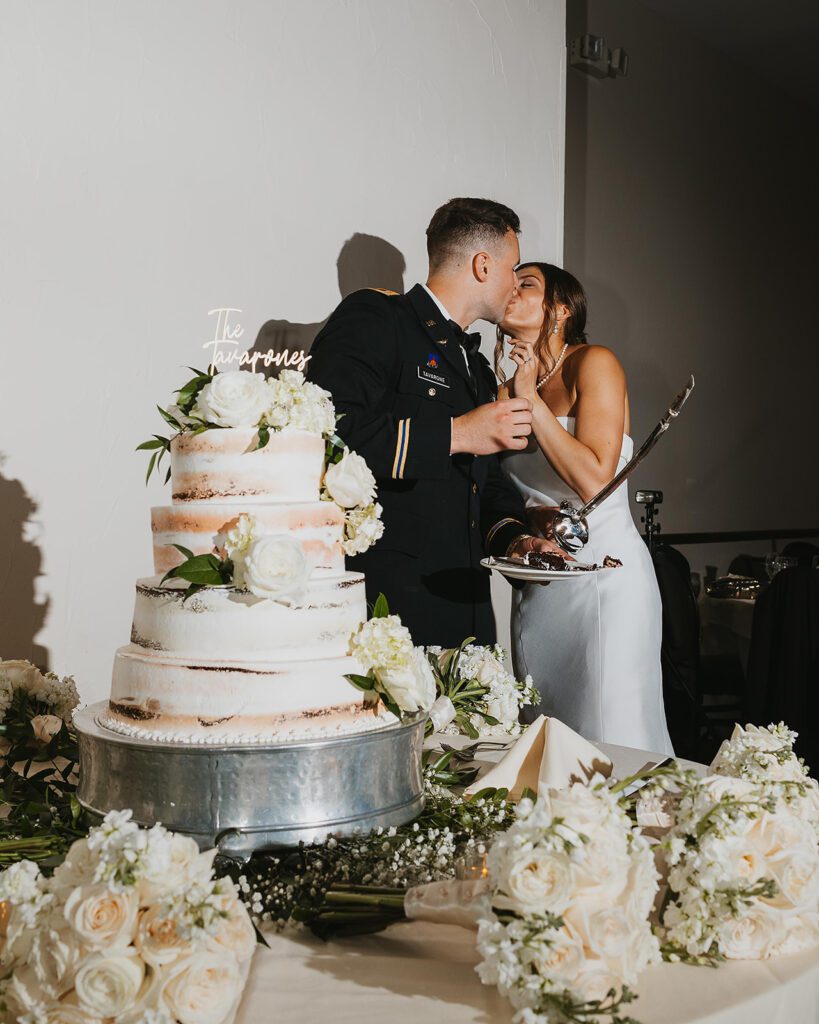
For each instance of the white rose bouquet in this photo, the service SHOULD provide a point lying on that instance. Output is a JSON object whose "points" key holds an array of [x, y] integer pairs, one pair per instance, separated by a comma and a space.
{"points": [[485, 697], [42, 702], [743, 871], [350, 483], [132, 926], [566, 931], [396, 671]]}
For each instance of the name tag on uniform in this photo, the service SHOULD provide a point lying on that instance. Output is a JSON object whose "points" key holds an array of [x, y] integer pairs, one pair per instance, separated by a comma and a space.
{"points": [[431, 377]]}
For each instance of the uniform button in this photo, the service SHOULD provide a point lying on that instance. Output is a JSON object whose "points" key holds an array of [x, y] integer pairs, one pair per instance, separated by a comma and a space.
{"points": [[474, 488], [432, 392], [473, 524]]}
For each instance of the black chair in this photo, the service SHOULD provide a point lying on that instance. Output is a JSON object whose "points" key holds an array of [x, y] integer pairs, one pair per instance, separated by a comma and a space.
{"points": [[752, 566], [783, 662], [703, 696]]}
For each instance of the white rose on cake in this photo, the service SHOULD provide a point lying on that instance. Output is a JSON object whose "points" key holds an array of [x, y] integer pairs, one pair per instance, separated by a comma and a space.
{"points": [[274, 567], [236, 398], [350, 482], [411, 684]]}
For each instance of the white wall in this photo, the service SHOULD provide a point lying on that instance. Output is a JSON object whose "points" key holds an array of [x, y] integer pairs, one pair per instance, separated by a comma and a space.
{"points": [[160, 160], [691, 218]]}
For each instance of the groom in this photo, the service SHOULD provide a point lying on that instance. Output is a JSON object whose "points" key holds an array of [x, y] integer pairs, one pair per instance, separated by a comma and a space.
{"points": [[417, 401]]}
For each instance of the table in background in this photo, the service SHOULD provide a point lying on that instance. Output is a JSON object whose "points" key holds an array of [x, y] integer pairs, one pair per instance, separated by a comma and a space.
{"points": [[725, 626], [420, 972]]}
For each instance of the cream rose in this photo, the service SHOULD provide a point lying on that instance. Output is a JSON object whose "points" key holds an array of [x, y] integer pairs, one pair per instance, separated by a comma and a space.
{"points": [[157, 939], [106, 986], [749, 937], [563, 958], [102, 919], [235, 398], [797, 875], [236, 933], [411, 684], [172, 873], [273, 567], [45, 727], [65, 1013], [55, 956], [537, 882], [609, 932], [21, 675], [78, 866], [203, 989], [350, 483], [594, 980]]}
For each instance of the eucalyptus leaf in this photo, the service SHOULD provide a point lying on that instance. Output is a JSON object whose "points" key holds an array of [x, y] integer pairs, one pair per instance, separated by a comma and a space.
{"points": [[151, 465], [366, 683], [381, 608], [147, 446], [172, 421], [264, 436]]}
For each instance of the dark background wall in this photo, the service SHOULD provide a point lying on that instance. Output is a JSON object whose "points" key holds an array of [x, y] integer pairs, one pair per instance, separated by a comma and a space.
{"points": [[691, 218]]}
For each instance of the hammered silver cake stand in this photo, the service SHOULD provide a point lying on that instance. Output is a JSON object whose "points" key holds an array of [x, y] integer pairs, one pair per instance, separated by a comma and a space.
{"points": [[252, 797]]}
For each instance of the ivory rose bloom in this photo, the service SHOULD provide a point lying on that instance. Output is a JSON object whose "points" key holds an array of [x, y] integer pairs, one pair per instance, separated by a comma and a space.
{"points": [[236, 934], [21, 675], [106, 986], [537, 882], [45, 727], [750, 936], [55, 956], [274, 567], [350, 482], [100, 918], [203, 988], [235, 398], [411, 685], [157, 938]]}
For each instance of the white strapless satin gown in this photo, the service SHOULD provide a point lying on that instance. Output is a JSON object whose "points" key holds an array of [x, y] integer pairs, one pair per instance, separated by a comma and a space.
{"points": [[592, 645]]}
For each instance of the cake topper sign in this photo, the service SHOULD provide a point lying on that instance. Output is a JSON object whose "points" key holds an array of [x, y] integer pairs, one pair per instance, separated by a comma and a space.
{"points": [[227, 334]]}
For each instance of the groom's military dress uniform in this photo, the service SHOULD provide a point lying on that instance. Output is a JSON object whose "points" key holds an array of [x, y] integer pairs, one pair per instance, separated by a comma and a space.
{"points": [[399, 372]]}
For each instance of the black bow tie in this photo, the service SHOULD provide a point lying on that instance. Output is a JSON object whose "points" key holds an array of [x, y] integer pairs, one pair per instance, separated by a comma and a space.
{"points": [[470, 342]]}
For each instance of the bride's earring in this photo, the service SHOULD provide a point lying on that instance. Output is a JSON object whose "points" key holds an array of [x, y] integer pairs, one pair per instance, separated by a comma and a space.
{"points": [[556, 328]]}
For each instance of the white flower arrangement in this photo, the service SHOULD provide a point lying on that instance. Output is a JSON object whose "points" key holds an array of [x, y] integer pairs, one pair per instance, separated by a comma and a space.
{"points": [[267, 565], [131, 926], [240, 398], [349, 482], [50, 699], [743, 870], [486, 698], [567, 929], [395, 671]]}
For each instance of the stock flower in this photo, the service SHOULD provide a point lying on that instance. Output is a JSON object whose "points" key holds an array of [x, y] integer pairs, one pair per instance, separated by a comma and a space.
{"points": [[235, 398]]}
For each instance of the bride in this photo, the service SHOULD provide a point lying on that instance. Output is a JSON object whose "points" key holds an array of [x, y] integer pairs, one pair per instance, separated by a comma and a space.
{"points": [[592, 645]]}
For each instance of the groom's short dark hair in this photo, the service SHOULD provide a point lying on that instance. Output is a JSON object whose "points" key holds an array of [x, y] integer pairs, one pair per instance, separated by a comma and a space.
{"points": [[463, 224]]}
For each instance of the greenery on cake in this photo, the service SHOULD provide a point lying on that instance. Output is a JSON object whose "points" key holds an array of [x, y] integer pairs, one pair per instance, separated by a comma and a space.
{"points": [[239, 398]]}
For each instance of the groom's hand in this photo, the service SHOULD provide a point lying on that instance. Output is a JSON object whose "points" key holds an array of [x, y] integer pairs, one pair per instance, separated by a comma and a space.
{"points": [[526, 542], [496, 427]]}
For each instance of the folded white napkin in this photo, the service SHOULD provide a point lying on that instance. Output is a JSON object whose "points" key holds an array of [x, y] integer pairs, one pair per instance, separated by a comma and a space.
{"points": [[548, 753]]}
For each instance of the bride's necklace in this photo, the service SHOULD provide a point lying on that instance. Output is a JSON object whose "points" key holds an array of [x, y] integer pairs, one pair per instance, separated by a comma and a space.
{"points": [[548, 376]]}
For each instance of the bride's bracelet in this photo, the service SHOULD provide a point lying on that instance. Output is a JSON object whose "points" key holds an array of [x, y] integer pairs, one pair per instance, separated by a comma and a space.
{"points": [[517, 540]]}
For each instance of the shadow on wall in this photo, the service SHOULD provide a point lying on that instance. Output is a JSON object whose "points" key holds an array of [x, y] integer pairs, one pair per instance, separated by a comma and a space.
{"points": [[365, 261], [21, 615]]}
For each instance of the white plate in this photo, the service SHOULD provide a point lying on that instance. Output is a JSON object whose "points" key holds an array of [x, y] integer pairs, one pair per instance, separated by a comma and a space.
{"points": [[525, 572]]}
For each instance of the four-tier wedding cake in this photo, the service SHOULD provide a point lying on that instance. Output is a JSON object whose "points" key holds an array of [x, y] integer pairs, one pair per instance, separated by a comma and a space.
{"points": [[242, 636]]}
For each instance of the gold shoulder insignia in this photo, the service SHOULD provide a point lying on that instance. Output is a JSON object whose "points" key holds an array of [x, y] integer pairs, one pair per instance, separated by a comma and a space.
{"points": [[384, 291]]}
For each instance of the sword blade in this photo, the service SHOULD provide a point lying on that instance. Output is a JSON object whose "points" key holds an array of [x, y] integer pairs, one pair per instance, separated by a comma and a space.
{"points": [[648, 444]]}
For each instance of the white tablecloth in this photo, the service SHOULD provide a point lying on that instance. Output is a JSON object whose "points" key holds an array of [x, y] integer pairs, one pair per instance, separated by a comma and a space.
{"points": [[419, 972]]}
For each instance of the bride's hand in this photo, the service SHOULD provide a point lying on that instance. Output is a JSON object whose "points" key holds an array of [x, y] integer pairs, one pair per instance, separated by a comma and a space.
{"points": [[524, 382], [541, 520]]}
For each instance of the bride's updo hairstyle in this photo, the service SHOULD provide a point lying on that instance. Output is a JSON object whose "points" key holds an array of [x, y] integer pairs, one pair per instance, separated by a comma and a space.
{"points": [[562, 288]]}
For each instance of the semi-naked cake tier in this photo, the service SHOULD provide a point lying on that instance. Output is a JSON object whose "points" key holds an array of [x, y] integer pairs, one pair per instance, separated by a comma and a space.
{"points": [[155, 698], [220, 466], [317, 525], [225, 625]]}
